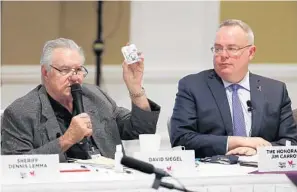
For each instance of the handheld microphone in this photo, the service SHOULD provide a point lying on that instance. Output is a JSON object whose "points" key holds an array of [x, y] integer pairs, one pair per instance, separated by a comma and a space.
{"points": [[249, 104], [76, 93], [78, 107], [142, 166], [58, 135]]}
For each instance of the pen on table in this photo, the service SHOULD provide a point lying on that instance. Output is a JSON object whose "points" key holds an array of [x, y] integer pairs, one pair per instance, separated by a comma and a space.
{"points": [[85, 169], [127, 171]]}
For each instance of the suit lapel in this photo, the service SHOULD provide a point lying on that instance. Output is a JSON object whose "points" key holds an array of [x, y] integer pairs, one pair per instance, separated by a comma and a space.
{"points": [[51, 124], [257, 100], [98, 122], [219, 93]]}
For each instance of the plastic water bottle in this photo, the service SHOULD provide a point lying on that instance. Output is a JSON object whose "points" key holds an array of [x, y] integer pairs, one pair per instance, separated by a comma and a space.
{"points": [[118, 157]]}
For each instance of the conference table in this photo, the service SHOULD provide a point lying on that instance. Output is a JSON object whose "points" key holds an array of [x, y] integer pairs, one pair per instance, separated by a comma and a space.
{"points": [[207, 178]]}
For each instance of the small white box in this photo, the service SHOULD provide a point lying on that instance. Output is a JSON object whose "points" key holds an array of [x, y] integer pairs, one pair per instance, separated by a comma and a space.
{"points": [[130, 54]]}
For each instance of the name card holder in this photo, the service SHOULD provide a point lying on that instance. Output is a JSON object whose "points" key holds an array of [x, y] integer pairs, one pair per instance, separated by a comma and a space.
{"points": [[20, 169], [277, 158], [179, 163]]}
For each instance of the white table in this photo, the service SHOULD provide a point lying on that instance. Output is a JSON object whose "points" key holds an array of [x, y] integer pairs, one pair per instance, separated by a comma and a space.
{"points": [[209, 178]]}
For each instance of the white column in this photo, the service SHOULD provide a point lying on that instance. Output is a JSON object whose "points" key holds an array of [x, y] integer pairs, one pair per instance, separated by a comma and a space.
{"points": [[174, 35], [175, 38]]}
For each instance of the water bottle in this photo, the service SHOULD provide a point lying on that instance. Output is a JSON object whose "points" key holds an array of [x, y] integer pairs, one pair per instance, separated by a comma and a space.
{"points": [[118, 157]]}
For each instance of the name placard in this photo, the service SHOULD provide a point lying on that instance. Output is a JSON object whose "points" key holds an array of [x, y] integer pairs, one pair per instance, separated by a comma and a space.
{"points": [[176, 163], [277, 158], [18, 169]]}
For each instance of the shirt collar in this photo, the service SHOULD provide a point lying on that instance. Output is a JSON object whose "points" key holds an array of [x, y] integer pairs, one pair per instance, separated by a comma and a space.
{"points": [[59, 110], [245, 82]]}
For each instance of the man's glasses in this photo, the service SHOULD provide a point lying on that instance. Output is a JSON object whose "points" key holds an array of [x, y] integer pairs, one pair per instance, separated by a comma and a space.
{"points": [[232, 51], [78, 71]]}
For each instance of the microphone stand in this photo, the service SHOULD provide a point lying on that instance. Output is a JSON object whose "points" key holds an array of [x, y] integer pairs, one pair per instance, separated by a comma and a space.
{"points": [[171, 186], [157, 183]]}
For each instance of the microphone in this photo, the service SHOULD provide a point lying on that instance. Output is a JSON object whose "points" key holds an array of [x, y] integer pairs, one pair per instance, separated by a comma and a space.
{"points": [[149, 168], [58, 135], [76, 93], [142, 166], [78, 107], [249, 104]]}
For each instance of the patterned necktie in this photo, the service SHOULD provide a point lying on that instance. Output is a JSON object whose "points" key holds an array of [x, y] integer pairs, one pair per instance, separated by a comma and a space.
{"points": [[238, 117]]}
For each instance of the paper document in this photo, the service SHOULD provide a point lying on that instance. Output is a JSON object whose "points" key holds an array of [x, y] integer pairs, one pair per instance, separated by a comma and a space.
{"points": [[101, 161]]}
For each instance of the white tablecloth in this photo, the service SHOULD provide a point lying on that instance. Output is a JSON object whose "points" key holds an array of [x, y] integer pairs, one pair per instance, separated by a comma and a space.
{"points": [[209, 178]]}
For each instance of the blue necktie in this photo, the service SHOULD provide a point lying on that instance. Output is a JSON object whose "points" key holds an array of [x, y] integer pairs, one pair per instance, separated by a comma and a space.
{"points": [[238, 117]]}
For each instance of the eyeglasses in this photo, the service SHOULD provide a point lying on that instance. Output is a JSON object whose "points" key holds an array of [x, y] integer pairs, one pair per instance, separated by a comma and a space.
{"points": [[232, 51], [78, 71]]}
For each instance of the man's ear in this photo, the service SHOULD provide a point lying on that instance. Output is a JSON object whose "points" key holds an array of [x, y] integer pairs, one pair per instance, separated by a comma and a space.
{"points": [[44, 72], [252, 52]]}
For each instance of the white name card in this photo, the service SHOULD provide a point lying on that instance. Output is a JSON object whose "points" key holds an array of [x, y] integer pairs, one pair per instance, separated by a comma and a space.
{"points": [[19, 169], [176, 163], [277, 158]]}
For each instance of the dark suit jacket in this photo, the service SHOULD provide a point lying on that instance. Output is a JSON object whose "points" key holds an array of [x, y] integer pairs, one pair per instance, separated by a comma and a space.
{"points": [[30, 126], [202, 120], [295, 115]]}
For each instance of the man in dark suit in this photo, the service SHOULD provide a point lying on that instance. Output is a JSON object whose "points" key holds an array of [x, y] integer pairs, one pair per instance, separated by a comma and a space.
{"points": [[229, 110], [44, 121]]}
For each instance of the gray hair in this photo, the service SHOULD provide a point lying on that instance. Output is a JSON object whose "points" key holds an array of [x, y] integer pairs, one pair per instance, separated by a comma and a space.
{"points": [[46, 57], [245, 27]]}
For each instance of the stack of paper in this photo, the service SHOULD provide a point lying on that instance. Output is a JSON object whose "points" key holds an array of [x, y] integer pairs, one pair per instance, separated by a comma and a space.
{"points": [[101, 161]]}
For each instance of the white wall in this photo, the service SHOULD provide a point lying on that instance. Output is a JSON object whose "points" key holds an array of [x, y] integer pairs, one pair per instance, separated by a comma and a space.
{"points": [[174, 35]]}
